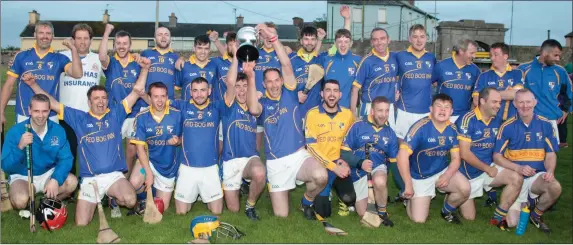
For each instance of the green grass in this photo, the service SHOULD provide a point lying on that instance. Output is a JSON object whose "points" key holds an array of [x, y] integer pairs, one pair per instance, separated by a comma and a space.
{"points": [[295, 229]]}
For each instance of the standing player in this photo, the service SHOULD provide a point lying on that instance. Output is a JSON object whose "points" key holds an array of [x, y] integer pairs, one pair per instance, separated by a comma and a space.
{"points": [[527, 144], [423, 163], [544, 79], [197, 160], [477, 132], [287, 160], [51, 156], [373, 131], [415, 68], [502, 77], [198, 65], [72, 90], [121, 73], [223, 63], [240, 155], [98, 132], [45, 65], [456, 76], [162, 61], [157, 135], [310, 40], [325, 127], [342, 66]]}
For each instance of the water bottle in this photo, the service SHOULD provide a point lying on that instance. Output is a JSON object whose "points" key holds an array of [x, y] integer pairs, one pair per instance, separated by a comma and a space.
{"points": [[523, 220]]}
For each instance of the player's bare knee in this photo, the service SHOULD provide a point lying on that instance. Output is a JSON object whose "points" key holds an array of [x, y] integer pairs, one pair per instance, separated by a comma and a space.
{"points": [[515, 179], [468, 215], [379, 182], [555, 189], [129, 200], [464, 189], [283, 214], [19, 201], [320, 177], [419, 220], [259, 174], [71, 183]]}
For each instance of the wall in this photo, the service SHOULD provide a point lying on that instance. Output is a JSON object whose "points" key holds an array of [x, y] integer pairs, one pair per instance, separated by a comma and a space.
{"points": [[449, 33]]}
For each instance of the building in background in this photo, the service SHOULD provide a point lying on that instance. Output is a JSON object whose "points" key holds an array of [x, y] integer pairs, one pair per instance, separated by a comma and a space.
{"points": [[394, 16]]}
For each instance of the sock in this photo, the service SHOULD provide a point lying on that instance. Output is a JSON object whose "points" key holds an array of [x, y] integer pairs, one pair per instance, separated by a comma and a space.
{"points": [[249, 204], [447, 208], [307, 200], [142, 195], [382, 210], [499, 213], [537, 213], [492, 194]]}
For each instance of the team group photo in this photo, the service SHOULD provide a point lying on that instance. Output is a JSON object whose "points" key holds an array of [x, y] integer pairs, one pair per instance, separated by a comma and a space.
{"points": [[378, 122]]}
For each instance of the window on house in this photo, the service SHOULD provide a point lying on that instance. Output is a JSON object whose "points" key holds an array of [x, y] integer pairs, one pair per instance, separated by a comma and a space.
{"points": [[382, 16], [356, 15]]}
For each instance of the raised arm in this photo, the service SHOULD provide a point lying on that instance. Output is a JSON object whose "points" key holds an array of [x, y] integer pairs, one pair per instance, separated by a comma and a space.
{"points": [[214, 36], [345, 13], [320, 36], [231, 79], [286, 66], [76, 71], [103, 57], [140, 83], [29, 79]]}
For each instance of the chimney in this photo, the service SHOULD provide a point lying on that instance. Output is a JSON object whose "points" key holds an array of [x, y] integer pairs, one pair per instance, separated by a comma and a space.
{"points": [[297, 21], [411, 2], [105, 17], [240, 22], [172, 20], [34, 17]]}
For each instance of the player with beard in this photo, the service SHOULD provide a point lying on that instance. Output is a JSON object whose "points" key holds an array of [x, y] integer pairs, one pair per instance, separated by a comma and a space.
{"points": [[240, 156], [72, 90], [325, 127], [162, 61]]}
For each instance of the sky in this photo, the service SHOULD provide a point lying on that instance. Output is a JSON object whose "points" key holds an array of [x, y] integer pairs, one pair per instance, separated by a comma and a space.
{"points": [[531, 19]]}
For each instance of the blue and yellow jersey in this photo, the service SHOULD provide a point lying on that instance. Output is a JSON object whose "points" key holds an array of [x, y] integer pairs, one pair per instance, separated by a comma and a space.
{"points": [[120, 79], [300, 62], [341, 68], [200, 132], [192, 70], [154, 132], [508, 80], [415, 80], [456, 81], [223, 63], [100, 147], [267, 59], [429, 147], [282, 120], [162, 69], [325, 132], [527, 145], [383, 141], [545, 83], [377, 76], [239, 131], [481, 135], [46, 69]]}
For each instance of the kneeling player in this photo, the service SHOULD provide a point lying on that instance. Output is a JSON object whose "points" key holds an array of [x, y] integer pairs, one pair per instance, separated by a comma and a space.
{"points": [[375, 132], [51, 156], [157, 129], [477, 132], [423, 163], [240, 156], [527, 145]]}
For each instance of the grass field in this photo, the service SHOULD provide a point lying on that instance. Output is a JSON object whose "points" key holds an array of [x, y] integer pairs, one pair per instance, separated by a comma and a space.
{"points": [[295, 229]]}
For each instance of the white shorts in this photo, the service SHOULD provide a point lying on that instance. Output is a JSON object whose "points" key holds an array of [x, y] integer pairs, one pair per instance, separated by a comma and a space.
{"points": [[192, 182], [526, 191], [361, 188], [453, 119], [127, 129], [282, 172], [40, 181], [426, 187], [161, 182], [478, 184], [391, 115], [20, 118], [233, 172], [104, 182], [405, 120], [260, 129], [556, 130]]}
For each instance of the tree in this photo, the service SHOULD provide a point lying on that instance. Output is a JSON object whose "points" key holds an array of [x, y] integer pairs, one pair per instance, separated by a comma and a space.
{"points": [[320, 22]]}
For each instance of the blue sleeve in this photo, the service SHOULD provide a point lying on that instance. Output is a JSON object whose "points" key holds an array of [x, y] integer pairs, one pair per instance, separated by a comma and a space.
{"points": [[65, 160], [551, 144], [120, 110], [178, 125], [71, 116], [568, 86], [464, 129], [349, 142], [63, 61], [13, 159], [178, 104], [393, 147], [503, 138], [455, 142], [361, 73], [16, 69], [139, 129], [413, 138], [179, 77], [436, 72]]}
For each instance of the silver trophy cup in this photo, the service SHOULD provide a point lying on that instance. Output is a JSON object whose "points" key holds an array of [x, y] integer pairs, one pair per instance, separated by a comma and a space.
{"points": [[247, 37]]}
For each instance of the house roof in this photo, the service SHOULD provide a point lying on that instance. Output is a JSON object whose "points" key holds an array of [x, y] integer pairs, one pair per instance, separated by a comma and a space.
{"points": [[147, 29], [569, 35], [384, 3]]}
